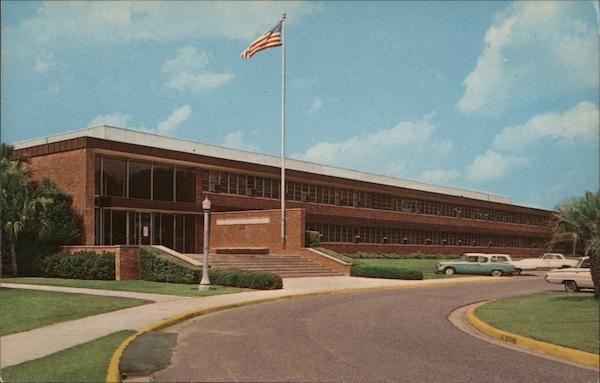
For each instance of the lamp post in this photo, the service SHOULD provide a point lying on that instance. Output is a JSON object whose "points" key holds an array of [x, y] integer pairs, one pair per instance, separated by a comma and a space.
{"points": [[205, 282]]}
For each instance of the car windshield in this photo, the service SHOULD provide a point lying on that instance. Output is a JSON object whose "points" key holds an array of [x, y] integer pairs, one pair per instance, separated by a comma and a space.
{"points": [[584, 263]]}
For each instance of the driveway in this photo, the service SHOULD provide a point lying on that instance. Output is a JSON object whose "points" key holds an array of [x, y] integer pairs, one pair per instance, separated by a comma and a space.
{"points": [[387, 336]]}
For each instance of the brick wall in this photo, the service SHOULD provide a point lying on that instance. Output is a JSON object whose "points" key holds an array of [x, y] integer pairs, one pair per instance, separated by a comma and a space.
{"points": [[267, 234], [73, 172], [126, 258]]}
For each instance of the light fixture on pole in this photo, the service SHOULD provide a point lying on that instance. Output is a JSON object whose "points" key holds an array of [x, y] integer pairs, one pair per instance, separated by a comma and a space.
{"points": [[205, 282]]}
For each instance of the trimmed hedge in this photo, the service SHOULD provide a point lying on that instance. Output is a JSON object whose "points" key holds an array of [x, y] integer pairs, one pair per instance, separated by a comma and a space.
{"points": [[80, 265], [261, 280], [160, 267], [372, 271], [417, 255], [312, 238]]}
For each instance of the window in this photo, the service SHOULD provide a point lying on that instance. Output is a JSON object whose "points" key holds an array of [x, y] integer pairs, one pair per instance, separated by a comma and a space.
{"points": [[163, 182], [185, 185], [113, 176], [139, 179]]}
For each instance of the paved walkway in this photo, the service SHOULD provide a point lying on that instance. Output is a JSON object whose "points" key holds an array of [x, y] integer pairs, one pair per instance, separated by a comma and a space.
{"points": [[24, 346], [105, 293]]}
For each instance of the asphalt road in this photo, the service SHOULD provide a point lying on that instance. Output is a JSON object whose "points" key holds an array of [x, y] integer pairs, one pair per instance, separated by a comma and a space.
{"points": [[390, 336]]}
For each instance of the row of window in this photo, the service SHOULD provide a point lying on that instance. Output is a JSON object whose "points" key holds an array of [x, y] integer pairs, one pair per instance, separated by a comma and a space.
{"points": [[119, 227], [367, 234], [148, 180], [232, 183]]}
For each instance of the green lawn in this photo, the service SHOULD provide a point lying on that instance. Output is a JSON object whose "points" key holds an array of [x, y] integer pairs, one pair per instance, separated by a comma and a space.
{"points": [[566, 319], [136, 286], [86, 362], [24, 310], [426, 266]]}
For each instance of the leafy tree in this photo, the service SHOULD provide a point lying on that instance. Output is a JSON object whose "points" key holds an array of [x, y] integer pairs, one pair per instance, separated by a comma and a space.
{"points": [[36, 217], [21, 206], [577, 224]]}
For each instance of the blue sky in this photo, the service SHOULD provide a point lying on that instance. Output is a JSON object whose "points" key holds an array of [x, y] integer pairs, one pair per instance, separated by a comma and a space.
{"points": [[492, 96]]}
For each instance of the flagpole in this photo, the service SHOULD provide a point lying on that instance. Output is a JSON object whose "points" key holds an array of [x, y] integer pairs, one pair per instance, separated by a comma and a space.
{"points": [[283, 132]]}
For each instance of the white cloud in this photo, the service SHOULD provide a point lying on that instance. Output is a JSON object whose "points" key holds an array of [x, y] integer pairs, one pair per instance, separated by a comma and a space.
{"points": [[236, 141], [116, 119], [439, 176], [44, 62], [316, 105], [199, 82], [121, 120], [188, 59], [187, 72], [492, 166], [399, 151], [176, 118], [578, 123], [530, 43], [127, 21]]}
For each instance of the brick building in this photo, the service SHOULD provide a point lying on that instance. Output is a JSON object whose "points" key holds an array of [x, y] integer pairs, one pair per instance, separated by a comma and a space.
{"points": [[134, 187]]}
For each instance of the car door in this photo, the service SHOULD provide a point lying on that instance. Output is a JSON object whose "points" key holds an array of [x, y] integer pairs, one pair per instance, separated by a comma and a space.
{"points": [[583, 276]]}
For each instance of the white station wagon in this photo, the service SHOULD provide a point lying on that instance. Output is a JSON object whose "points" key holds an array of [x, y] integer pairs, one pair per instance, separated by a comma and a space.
{"points": [[573, 278]]}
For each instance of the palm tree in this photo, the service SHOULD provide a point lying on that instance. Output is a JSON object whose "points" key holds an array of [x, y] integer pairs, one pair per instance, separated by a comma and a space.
{"points": [[578, 224], [20, 204]]}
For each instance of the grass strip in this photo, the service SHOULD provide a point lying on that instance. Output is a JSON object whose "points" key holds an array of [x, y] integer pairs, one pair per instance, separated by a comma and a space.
{"points": [[86, 362], [565, 319], [179, 289], [426, 266], [24, 310]]}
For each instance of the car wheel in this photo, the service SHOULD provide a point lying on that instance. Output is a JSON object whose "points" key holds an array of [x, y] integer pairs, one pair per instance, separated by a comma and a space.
{"points": [[517, 272], [571, 286], [449, 270], [496, 273]]}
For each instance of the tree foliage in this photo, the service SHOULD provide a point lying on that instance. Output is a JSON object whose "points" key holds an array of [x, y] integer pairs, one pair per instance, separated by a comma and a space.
{"points": [[36, 217], [577, 224]]}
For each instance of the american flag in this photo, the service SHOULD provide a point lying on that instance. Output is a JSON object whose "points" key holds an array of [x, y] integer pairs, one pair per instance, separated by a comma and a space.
{"points": [[267, 40]]}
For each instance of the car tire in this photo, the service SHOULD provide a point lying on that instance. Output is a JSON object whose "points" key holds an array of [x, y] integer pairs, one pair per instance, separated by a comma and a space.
{"points": [[449, 271], [571, 286], [517, 271], [496, 273]]}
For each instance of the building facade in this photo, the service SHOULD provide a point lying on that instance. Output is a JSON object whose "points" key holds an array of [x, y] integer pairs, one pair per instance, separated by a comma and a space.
{"points": [[134, 187]]}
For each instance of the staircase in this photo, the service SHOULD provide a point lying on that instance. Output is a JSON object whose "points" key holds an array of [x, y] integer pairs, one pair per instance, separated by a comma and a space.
{"points": [[286, 266]]}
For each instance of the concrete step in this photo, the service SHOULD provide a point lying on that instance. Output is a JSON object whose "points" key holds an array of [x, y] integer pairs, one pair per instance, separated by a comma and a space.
{"points": [[285, 265]]}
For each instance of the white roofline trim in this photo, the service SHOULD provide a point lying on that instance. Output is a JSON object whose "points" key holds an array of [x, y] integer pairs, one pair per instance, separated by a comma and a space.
{"points": [[154, 140]]}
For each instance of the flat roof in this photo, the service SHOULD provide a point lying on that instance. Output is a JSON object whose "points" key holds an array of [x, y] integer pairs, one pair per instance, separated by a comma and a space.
{"points": [[138, 137]]}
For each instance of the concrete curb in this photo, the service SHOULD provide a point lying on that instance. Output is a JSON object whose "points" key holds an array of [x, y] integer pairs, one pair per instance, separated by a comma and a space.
{"points": [[113, 373], [585, 358]]}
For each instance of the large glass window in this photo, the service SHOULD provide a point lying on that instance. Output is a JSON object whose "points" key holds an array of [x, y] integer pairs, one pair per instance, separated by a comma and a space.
{"points": [[185, 185], [98, 176], [190, 234], [163, 182], [167, 230], [119, 228], [113, 177], [139, 179]]}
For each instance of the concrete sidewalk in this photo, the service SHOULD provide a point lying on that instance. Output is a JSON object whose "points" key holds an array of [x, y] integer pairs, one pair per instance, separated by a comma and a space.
{"points": [[105, 293], [21, 347]]}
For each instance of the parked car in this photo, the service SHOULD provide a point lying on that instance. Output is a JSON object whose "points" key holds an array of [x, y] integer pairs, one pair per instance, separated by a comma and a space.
{"points": [[475, 263], [573, 278], [546, 261]]}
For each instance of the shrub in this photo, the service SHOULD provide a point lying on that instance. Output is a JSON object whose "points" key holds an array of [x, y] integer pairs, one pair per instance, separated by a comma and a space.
{"points": [[372, 271], [416, 255], [312, 238], [160, 267], [247, 279], [80, 265]]}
